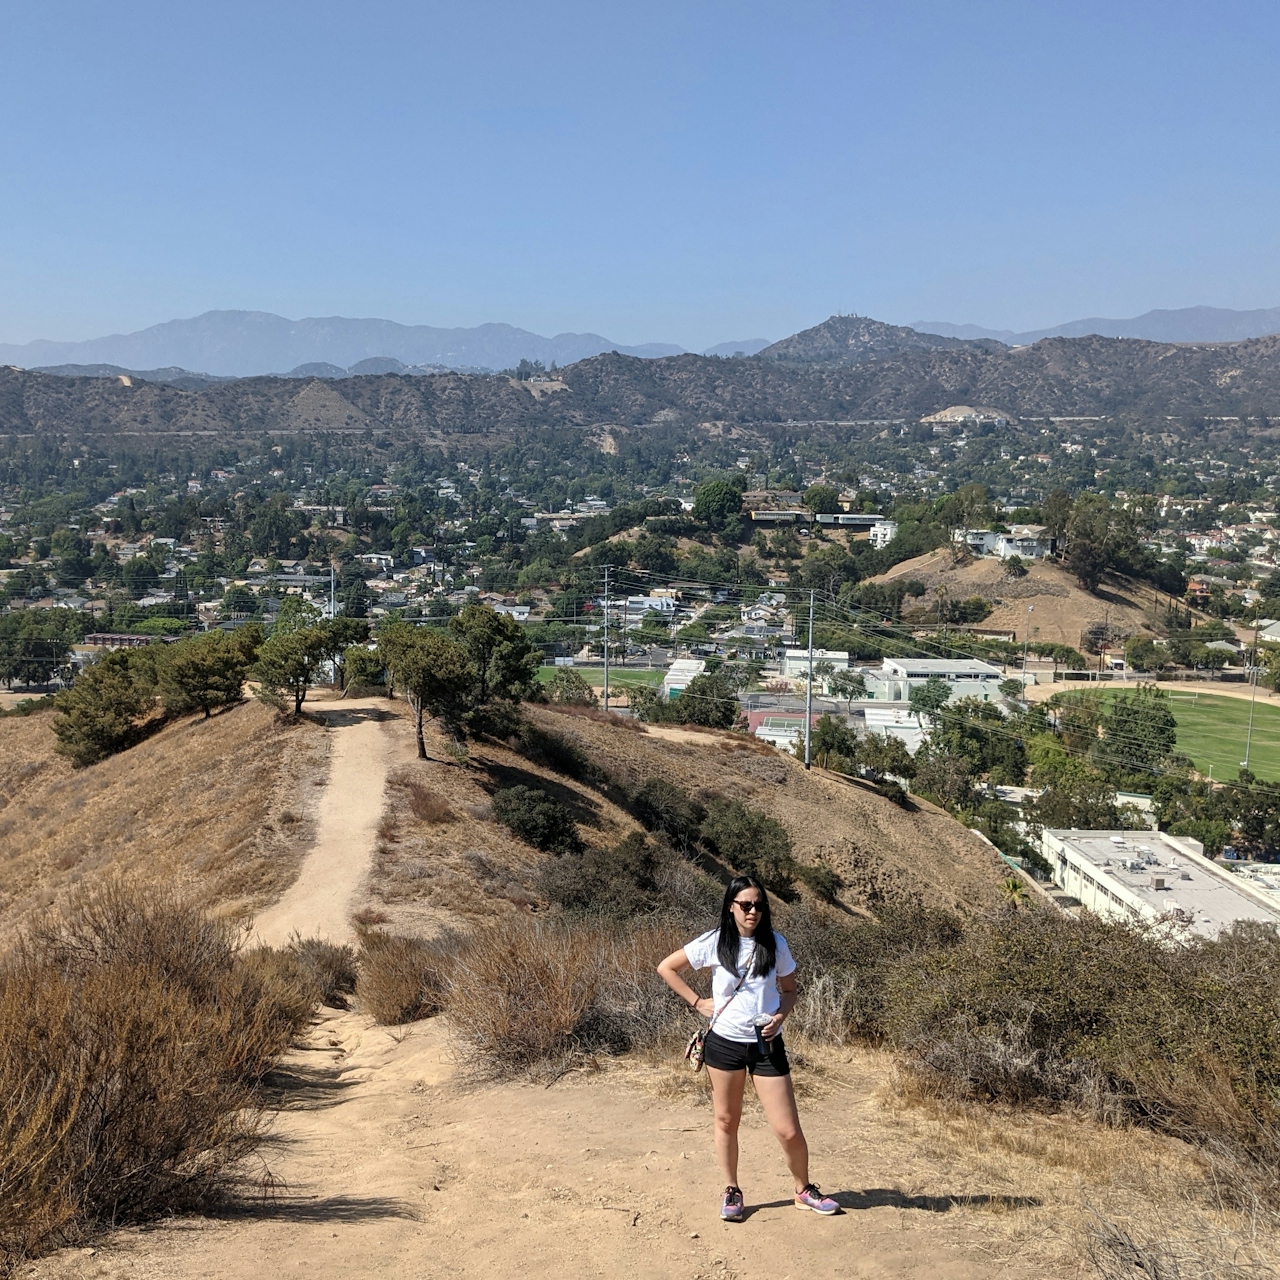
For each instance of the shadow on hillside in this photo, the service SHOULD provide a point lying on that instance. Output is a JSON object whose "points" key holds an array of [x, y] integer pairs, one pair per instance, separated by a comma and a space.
{"points": [[891, 1198], [338, 717], [584, 811]]}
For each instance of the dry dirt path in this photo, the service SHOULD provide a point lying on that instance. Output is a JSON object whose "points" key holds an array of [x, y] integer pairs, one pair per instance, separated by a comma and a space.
{"points": [[1178, 688], [395, 1168], [319, 903]]}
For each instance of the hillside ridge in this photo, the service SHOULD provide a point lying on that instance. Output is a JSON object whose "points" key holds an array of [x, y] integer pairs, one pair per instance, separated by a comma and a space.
{"points": [[1057, 376]]}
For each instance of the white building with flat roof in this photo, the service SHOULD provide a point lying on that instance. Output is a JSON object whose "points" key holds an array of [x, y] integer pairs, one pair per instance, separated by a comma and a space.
{"points": [[967, 677], [1154, 877], [678, 676], [895, 722], [795, 662]]}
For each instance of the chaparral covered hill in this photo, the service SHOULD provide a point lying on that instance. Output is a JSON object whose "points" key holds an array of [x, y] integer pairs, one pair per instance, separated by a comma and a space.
{"points": [[224, 809], [1059, 376]]}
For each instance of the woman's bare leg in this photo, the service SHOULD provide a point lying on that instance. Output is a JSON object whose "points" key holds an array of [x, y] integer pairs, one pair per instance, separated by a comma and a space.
{"points": [[727, 1088], [778, 1101]]}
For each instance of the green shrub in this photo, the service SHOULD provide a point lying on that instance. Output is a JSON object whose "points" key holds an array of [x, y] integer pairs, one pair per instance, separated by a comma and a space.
{"points": [[634, 878], [568, 688], [664, 807], [537, 819], [751, 841]]}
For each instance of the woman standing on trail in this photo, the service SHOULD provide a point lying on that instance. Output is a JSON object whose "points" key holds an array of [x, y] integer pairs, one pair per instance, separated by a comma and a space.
{"points": [[753, 988]]}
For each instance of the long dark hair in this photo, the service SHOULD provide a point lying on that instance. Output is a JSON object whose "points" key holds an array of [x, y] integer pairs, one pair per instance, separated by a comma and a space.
{"points": [[766, 948]]}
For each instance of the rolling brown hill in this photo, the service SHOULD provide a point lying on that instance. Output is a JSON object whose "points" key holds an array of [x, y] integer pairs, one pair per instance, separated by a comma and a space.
{"points": [[221, 809], [1061, 608]]}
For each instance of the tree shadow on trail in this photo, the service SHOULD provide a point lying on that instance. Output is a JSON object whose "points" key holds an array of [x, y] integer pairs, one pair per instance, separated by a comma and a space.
{"points": [[343, 717], [284, 1207]]}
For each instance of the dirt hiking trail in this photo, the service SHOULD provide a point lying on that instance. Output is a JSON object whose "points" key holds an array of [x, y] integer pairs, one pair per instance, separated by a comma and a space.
{"points": [[388, 1158], [397, 1167], [319, 903]]}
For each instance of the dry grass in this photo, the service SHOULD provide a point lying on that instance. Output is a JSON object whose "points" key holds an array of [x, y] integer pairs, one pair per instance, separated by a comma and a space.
{"points": [[132, 1041], [442, 862], [194, 807], [1134, 1203], [596, 714], [536, 995], [403, 979], [426, 806], [1062, 609]]}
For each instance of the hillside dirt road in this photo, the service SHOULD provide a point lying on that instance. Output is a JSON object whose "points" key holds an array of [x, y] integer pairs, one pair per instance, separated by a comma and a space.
{"points": [[319, 903]]}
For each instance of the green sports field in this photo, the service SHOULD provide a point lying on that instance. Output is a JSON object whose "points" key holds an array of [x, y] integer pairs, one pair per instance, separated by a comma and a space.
{"points": [[1212, 731], [619, 677]]}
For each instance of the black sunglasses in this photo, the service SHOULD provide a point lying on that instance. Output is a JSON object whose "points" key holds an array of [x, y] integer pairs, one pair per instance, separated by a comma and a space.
{"points": [[753, 904]]}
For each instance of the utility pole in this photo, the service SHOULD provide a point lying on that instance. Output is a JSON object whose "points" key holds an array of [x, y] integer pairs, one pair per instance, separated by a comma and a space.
{"points": [[333, 608], [1026, 639], [606, 637], [808, 697], [1253, 697]]}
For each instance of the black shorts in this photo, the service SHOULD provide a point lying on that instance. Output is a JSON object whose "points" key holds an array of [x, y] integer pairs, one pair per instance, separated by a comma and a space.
{"points": [[736, 1055]]}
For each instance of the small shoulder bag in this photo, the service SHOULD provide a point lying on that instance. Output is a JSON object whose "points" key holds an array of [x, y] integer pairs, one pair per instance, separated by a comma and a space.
{"points": [[694, 1050]]}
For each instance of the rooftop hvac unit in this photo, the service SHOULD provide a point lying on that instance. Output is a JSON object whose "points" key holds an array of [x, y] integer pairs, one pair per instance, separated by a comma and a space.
{"points": [[1157, 882]]}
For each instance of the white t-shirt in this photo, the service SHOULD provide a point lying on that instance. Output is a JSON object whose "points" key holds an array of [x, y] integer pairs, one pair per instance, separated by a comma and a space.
{"points": [[757, 995]]}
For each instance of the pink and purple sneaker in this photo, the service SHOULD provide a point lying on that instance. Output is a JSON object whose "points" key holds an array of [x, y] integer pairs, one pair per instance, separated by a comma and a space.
{"points": [[812, 1198], [732, 1208]]}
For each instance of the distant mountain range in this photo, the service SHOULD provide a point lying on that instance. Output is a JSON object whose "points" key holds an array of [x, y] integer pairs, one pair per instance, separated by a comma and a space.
{"points": [[1189, 324], [846, 368], [248, 343]]}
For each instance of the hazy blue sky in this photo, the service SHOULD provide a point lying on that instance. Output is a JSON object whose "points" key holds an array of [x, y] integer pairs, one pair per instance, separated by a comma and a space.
{"points": [[687, 172]]}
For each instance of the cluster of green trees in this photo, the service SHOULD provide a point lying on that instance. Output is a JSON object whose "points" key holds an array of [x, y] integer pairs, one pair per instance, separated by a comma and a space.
{"points": [[709, 700], [126, 693], [454, 674]]}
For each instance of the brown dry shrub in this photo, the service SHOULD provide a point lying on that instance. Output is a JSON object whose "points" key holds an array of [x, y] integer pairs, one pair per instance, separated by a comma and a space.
{"points": [[535, 995], [331, 966], [132, 1040], [389, 828], [403, 979], [428, 807], [368, 916]]}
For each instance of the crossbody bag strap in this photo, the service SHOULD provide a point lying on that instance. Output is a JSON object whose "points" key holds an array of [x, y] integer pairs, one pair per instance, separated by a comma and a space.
{"points": [[746, 970]]}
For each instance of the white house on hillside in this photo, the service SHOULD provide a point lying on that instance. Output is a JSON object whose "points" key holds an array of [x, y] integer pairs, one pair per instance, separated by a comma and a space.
{"points": [[1029, 541]]}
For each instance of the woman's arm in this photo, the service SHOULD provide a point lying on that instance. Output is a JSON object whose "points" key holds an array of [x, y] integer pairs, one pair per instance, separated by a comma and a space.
{"points": [[669, 971], [788, 993]]}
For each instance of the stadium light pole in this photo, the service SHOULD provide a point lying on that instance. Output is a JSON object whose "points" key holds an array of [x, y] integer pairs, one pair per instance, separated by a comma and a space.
{"points": [[808, 697], [1253, 696], [606, 637], [1026, 640]]}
